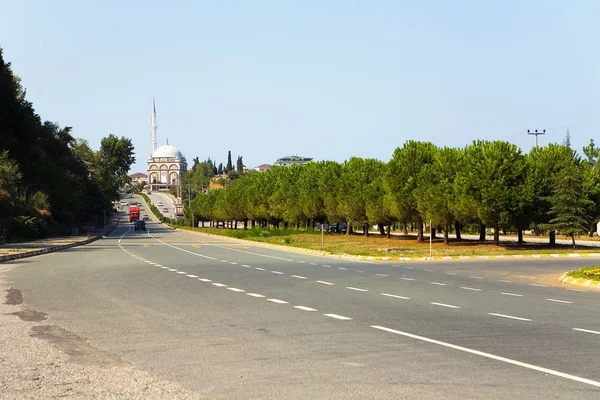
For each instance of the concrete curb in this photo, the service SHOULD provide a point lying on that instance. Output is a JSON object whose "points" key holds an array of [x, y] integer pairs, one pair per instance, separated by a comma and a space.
{"points": [[383, 258], [564, 278], [47, 250]]}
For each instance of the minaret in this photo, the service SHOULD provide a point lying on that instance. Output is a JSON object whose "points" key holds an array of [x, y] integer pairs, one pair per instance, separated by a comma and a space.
{"points": [[153, 126]]}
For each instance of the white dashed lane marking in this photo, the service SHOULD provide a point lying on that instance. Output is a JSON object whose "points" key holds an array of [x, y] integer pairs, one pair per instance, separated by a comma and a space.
{"points": [[259, 269], [470, 288], [219, 284], [438, 283], [165, 267], [408, 279], [504, 280], [509, 316], [586, 330], [181, 272], [255, 295], [429, 270], [204, 280], [560, 301], [450, 273], [298, 276], [476, 277], [384, 275], [395, 296], [301, 262], [325, 283], [337, 317], [577, 290], [278, 301], [327, 266], [233, 263], [443, 305], [512, 294], [357, 289], [277, 272], [343, 269], [359, 271], [192, 276], [172, 270], [158, 265], [224, 261], [305, 308], [536, 285], [246, 266], [235, 289], [313, 263]]}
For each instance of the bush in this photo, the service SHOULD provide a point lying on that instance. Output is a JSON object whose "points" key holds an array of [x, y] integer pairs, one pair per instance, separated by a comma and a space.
{"points": [[287, 240], [587, 273], [28, 227]]}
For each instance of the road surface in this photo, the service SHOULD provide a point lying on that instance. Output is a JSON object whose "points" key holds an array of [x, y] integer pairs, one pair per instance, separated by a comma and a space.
{"points": [[231, 320], [167, 202]]}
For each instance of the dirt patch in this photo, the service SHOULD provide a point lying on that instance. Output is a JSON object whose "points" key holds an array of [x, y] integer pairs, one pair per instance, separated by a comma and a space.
{"points": [[14, 297], [30, 315], [74, 346]]}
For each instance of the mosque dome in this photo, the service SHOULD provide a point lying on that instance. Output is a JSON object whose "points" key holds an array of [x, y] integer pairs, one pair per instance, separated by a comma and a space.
{"points": [[167, 151]]}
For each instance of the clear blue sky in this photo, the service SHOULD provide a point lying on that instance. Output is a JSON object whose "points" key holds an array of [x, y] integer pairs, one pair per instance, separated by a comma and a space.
{"points": [[324, 79]]}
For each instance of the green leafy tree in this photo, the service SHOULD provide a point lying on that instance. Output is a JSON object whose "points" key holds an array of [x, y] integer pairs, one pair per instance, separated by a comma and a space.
{"points": [[240, 165], [115, 160]]}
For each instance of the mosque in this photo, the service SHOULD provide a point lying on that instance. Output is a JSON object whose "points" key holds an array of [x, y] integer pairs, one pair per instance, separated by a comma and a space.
{"points": [[166, 164]]}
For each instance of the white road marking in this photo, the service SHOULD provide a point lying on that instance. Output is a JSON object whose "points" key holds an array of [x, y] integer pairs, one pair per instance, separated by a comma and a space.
{"points": [[172, 270], [255, 295], [536, 285], [159, 265], [491, 356], [337, 317], [180, 249], [165, 267], [343, 269], [327, 266], [260, 269], [220, 284], [233, 289], [277, 272], [247, 266], [313, 263], [301, 262], [504, 280], [181, 272], [381, 274], [357, 289], [476, 277], [509, 316], [586, 330], [305, 308], [298, 276], [470, 288], [192, 276], [560, 301], [149, 262], [443, 305], [224, 261], [450, 273], [512, 294], [359, 271], [326, 283], [408, 279], [577, 290], [429, 270], [438, 283], [410, 267], [278, 301], [395, 296], [233, 263], [204, 280]]}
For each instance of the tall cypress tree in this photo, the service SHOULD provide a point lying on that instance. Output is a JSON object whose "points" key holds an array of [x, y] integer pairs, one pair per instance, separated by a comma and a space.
{"points": [[229, 166], [240, 165]]}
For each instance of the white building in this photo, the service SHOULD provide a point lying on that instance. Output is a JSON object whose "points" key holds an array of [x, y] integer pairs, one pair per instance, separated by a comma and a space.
{"points": [[166, 164]]}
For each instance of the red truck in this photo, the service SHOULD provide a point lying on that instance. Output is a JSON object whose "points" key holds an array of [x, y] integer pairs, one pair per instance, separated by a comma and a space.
{"points": [[134, 213]]}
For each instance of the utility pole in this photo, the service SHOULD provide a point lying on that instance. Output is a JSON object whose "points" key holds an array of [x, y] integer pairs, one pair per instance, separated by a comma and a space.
{"points": [[536, 133]]}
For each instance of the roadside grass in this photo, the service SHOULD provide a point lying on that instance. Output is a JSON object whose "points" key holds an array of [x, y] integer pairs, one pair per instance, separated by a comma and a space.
{"points": [[396, 246], [592, 273]]}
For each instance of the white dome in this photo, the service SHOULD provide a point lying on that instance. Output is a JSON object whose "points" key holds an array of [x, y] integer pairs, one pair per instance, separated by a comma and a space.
{"points": [[168, 151]]}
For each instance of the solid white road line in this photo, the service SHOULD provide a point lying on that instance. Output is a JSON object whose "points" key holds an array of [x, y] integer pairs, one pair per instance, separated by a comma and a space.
{"points": [[537, 285], [277, 272], [586, 330], [255, 295], [337, 317], [326, 283], [233, 289], [408, 279], [204, 280], [298, 276], [305, 308], [381, 275], [247, 266], [278, 301], [512, 294], [490, 356], [192, 276], [220, 284], [260, 269], [476, 277], [443, 305], [504, 280], [470, 288], [509, 316], [395, 296], [438, 283], [357, 289], [560, 301]]}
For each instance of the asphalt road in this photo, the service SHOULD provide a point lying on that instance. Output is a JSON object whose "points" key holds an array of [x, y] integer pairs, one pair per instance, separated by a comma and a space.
{"points": [[233, 320]]}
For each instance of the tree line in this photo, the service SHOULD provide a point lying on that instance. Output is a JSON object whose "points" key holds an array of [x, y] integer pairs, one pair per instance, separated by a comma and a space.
{"points": [[51, 181], [490, 184]]}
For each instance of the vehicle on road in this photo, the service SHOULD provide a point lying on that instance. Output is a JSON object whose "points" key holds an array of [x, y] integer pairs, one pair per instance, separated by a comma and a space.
{"points": [[160, 204], [165, 210], [134, 213], [139, 226], [145, 217]]}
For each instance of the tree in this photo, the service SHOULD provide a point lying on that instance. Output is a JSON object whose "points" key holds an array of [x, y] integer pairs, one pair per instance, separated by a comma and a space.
{"points": [[220, 169], [115, 160], [215, 170], [569, 205], [229, 166], [567, 141], [240, 165]]}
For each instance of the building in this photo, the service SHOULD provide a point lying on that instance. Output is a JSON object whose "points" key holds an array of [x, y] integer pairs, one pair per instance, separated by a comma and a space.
{"points": [[138, 177], [166, 164], [262, 168], [292, 160]]}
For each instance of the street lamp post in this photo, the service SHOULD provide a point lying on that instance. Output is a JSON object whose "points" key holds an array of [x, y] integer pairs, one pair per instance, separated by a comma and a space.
{"points": [[536, 133]]}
